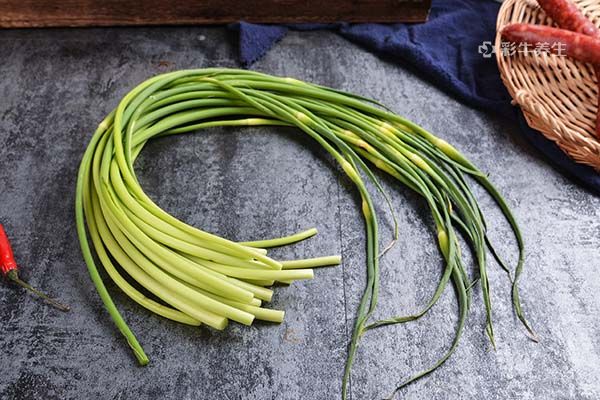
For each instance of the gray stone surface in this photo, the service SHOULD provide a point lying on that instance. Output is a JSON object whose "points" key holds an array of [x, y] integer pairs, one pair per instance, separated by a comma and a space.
{"points": [[55, 87]]}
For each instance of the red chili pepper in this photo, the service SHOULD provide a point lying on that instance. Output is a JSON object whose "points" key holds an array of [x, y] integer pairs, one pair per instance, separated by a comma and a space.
{"points": [[8, 266]]}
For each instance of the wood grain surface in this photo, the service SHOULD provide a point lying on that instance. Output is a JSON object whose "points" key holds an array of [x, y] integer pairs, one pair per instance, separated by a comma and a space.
{"points": [[74, 13]]}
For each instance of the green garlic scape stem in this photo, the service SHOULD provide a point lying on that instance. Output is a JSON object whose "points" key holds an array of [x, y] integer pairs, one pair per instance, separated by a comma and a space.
{"points": [[200, 278]]}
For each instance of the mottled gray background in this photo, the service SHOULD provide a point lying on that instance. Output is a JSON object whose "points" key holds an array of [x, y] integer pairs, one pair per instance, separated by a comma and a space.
{"points": [[55, 87]]}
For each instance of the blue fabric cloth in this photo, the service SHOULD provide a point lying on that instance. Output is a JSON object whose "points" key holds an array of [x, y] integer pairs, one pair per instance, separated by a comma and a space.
{"points": [[444, 51]]}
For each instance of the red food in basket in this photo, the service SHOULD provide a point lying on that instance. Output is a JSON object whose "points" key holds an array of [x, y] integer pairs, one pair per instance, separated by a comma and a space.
{"points": [[561, 42], [568, 16]]}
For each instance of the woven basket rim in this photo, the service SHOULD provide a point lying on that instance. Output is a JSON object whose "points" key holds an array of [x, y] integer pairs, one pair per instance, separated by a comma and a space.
{"points": [[558, 96]]}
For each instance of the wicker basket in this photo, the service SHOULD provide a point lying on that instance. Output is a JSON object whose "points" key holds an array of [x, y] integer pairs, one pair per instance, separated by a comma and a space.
{"points": [[558, 95]]}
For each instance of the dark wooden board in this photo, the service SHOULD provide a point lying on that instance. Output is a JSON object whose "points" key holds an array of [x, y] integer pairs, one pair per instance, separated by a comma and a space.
{"points": [[74, 13]]}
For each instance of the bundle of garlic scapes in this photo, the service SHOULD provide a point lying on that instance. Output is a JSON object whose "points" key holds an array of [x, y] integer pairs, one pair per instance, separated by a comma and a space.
{"points": [[198, 277]]}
